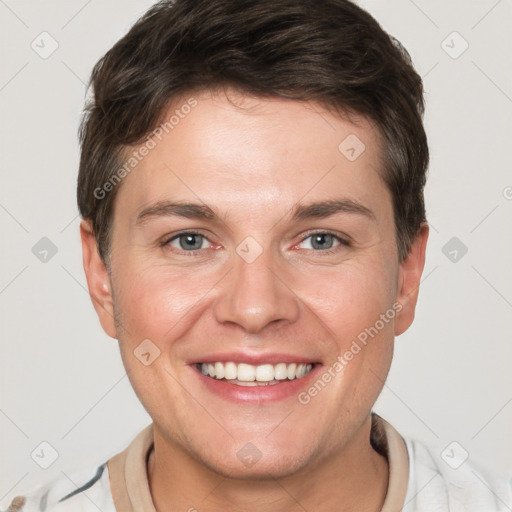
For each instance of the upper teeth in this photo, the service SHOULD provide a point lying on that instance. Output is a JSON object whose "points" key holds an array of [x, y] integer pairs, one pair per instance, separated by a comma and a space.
{"points": [[262, 373]]}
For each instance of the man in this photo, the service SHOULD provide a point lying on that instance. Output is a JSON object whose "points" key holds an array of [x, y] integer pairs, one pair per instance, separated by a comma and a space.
{"points": [[254, 233]]}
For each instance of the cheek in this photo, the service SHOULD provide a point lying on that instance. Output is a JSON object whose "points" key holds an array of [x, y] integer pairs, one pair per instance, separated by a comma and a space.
{"points": [[355, 304], [152, 300], [152, 304], [350, 299]]}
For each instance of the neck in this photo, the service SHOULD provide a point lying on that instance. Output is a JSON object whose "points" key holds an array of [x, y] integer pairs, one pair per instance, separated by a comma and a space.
{"points": [[353, 478]]}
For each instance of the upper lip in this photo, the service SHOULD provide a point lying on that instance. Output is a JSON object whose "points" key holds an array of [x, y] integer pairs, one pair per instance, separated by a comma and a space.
{"points": [[253, 359]]}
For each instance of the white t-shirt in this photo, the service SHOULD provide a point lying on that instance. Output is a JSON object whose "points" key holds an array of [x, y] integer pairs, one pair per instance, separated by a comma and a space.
{"points": [[420, 480]]}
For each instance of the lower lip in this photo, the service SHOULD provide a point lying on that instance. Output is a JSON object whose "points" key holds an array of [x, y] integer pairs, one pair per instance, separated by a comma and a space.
{"points": [[257, 394]]}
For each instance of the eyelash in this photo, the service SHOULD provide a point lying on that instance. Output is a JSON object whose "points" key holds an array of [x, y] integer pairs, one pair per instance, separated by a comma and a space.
{"points": [[343, 241]]}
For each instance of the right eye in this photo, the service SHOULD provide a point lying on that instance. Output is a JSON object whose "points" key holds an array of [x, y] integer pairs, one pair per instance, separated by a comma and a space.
{"points": [[187, 241]]}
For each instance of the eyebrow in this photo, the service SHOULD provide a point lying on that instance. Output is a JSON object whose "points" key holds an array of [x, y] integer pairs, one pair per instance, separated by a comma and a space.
{"points": [[317, 210]]}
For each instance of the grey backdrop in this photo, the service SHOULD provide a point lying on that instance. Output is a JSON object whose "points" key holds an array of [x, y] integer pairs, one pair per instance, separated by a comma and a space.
{"points": [[62, 380]]}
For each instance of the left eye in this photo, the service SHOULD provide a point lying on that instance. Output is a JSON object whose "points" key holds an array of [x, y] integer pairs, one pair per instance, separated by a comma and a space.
{"points": [[322, 241]]}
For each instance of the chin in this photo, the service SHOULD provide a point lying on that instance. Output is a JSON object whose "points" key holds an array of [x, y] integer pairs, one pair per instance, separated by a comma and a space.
{"points": [[257, 460], [272, 468]]}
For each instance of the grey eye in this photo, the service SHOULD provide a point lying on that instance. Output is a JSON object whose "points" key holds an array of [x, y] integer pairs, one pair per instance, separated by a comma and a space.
{"points": [[188, 241], [321, 241]]}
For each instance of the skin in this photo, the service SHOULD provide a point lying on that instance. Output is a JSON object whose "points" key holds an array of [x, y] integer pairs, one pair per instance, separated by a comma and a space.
{"points": [[253, 160]]}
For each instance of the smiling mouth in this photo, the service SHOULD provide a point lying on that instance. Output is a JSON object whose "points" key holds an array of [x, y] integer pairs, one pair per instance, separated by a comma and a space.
{"points": [[243, 374]]}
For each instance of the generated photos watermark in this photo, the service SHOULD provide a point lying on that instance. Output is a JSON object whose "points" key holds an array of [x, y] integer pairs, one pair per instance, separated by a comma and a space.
{"points": [[151, 142], [342, 361]]}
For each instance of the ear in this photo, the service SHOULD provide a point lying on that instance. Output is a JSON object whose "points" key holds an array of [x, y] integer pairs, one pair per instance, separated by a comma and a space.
{"points": [[98, 279], [409, 278]]}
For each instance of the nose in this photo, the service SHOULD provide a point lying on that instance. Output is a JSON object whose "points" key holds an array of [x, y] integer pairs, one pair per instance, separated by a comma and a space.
{"points": [[256, 294]]}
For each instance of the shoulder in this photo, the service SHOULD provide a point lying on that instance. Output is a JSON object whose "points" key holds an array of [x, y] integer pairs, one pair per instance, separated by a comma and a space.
{"points": [[449, 480], [80, 490]]}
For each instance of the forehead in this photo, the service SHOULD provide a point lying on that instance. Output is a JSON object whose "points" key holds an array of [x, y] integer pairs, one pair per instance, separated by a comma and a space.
{"points": [[240, 152]]}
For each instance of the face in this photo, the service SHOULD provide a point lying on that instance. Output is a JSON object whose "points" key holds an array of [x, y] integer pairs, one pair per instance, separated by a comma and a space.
{"points": [[249, 245]]}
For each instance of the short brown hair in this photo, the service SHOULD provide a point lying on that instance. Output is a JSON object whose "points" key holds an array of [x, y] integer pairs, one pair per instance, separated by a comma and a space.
{"points": [[328, 51]]}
